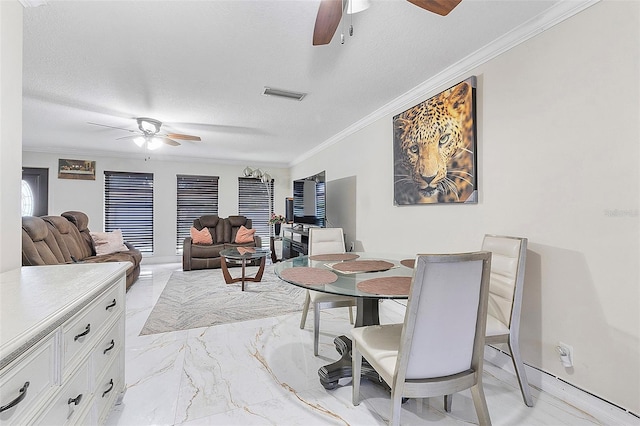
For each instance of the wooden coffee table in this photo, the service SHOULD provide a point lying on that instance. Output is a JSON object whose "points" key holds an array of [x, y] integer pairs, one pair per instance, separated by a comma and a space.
{"points": [[242, 255]]}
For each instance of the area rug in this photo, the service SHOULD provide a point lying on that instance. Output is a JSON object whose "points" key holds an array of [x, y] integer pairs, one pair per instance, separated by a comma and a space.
{"points": [[194, 299]]}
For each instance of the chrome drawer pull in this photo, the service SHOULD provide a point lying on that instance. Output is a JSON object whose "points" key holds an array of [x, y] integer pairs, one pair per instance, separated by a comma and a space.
{"points": [[113, 345], [108, 390], [75, 401], [23, 394], [86, 331], [111, 305]]}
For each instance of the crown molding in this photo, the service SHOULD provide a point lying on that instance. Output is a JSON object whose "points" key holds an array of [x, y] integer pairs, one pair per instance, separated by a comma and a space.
{"points": [[153, 156], [460, 70], [33, 3]]}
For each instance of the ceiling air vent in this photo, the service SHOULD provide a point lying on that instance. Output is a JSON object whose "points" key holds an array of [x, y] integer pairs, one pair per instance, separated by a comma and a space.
{"points": [[269, 91]]}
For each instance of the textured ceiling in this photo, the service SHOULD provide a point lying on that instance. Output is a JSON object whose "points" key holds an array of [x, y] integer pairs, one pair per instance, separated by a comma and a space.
{"points": [[200, 67]]}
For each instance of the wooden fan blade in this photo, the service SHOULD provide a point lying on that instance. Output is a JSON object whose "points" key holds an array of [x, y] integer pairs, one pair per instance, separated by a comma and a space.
{"points": [[183, 137], [112, 127], [327, 20], [441, 7], [168, 141]]}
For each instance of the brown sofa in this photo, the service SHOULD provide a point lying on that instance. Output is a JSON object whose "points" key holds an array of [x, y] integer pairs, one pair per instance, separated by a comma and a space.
{"points": [[223, 233], [52, 240]]}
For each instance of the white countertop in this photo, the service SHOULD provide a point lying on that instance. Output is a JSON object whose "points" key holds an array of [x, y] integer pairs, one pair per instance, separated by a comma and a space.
{"points": [[34, 300]]}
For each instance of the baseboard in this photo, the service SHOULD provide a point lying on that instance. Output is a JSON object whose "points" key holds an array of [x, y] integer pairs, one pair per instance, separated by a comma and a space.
{"points": [[153, 260], [602, 409]]}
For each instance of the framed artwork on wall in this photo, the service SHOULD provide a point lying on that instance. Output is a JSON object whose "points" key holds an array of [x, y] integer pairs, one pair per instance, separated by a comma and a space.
{"points": [[434, 149], [76, 169]]}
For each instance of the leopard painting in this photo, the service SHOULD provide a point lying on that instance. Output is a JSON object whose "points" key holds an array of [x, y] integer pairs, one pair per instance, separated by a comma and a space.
{"points": [[434, 143]]}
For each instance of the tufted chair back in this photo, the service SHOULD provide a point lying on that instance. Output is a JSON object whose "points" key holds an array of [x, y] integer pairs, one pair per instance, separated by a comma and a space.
{"points": [[215, 225], [326, 241], [507, 276], [81, 221], [39, 246], [73, 244]]}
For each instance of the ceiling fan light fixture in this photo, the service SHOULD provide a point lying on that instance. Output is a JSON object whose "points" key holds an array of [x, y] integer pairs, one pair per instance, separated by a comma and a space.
{"points": [[148, 125], [356, 6], [154, 143], [140, 140], [270, 91]]}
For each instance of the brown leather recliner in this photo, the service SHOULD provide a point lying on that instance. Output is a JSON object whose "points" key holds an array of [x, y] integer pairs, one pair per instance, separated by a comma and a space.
{"points": [[223, 233], [53, 240]]}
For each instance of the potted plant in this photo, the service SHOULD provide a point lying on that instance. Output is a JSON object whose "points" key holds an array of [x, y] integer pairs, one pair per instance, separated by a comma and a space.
{"points": [[276, 220]]}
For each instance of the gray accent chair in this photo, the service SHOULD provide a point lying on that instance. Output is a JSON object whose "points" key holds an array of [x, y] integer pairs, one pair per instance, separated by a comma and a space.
{"points": [[324, 241], [439, 348], [505, 302]]}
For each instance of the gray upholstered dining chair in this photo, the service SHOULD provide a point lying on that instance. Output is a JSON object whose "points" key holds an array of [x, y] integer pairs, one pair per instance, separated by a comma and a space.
{"points": [[324, 241], [439, 348], [505, 301]]}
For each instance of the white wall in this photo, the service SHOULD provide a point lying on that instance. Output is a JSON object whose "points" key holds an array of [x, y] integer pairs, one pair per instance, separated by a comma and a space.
{"points": [[558, 134], [87, 196], [10, 132]]}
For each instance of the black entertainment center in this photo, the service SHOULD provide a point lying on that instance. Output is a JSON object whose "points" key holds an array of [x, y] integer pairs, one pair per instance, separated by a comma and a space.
{"points": [[309, 209], [295, 241]]}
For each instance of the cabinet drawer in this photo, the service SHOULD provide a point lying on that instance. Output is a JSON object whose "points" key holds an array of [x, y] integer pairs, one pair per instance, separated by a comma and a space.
{"points": [[107, 390], [28, 382], [79, 335], [108, 348], [71, 402]]}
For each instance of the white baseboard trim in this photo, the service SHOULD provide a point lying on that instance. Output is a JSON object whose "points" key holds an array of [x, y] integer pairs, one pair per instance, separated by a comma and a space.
{"points": [[153, 260], [564, 391]]}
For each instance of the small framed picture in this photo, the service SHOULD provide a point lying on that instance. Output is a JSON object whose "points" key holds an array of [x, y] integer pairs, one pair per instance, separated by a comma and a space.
{"points": [[76, 169]]}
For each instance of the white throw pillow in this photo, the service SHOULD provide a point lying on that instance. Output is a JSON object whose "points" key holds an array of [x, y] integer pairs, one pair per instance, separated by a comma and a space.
{"points": [[108, 242]]}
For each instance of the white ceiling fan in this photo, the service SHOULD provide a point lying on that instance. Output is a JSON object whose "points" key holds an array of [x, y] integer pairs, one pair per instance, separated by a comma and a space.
{"points": [[148, 134]]}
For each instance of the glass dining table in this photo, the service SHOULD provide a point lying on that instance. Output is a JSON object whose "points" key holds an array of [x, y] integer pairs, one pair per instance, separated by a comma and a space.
{"points": [[368, 277]]}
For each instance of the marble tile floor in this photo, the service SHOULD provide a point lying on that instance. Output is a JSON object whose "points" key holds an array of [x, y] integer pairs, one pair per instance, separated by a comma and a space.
{"points": [[263, 372]]}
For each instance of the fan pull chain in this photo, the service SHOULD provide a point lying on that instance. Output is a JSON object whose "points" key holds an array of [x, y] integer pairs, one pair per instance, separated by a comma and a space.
{"points": [[342, 27], [351, 19]]}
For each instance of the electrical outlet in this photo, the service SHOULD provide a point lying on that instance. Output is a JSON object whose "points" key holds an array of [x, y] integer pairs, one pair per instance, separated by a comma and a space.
{"points": [[566, 354]]}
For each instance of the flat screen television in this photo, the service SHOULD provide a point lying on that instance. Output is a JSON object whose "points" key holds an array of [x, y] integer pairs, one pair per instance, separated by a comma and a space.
{"points": [[310, 200]]}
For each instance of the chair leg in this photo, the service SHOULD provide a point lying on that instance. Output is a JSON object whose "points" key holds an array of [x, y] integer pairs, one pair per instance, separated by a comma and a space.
{"points": [[305, 310], [396, 408], [448, 399], [356, 368], [514, 348], [480, 403], [351, 314], [316, 327]]}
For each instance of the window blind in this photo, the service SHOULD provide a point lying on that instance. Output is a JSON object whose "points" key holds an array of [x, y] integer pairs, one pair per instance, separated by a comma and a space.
{"points": [[196, 196], [128, 205], [255, 201]]}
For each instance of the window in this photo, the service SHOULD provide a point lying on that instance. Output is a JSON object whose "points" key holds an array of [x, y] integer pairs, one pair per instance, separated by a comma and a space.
{"points": [[255, 201], [35, 191], [128, 205], [27, 199], [197, 196]]}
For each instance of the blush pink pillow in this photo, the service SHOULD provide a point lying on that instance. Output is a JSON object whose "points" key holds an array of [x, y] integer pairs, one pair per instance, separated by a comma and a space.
{"points": [[245, 235], [201, 237]]}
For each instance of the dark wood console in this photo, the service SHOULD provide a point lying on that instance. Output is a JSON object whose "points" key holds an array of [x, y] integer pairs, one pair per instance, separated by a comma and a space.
{"points": [[295, 241]]}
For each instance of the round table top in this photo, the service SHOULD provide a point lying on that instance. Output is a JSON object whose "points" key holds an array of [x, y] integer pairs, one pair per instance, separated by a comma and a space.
{"points": [[245, 253], [323, 276]]}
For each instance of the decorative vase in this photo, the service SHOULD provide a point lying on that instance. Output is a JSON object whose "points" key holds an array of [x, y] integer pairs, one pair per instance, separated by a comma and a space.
{"points": [[276, 228]]}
